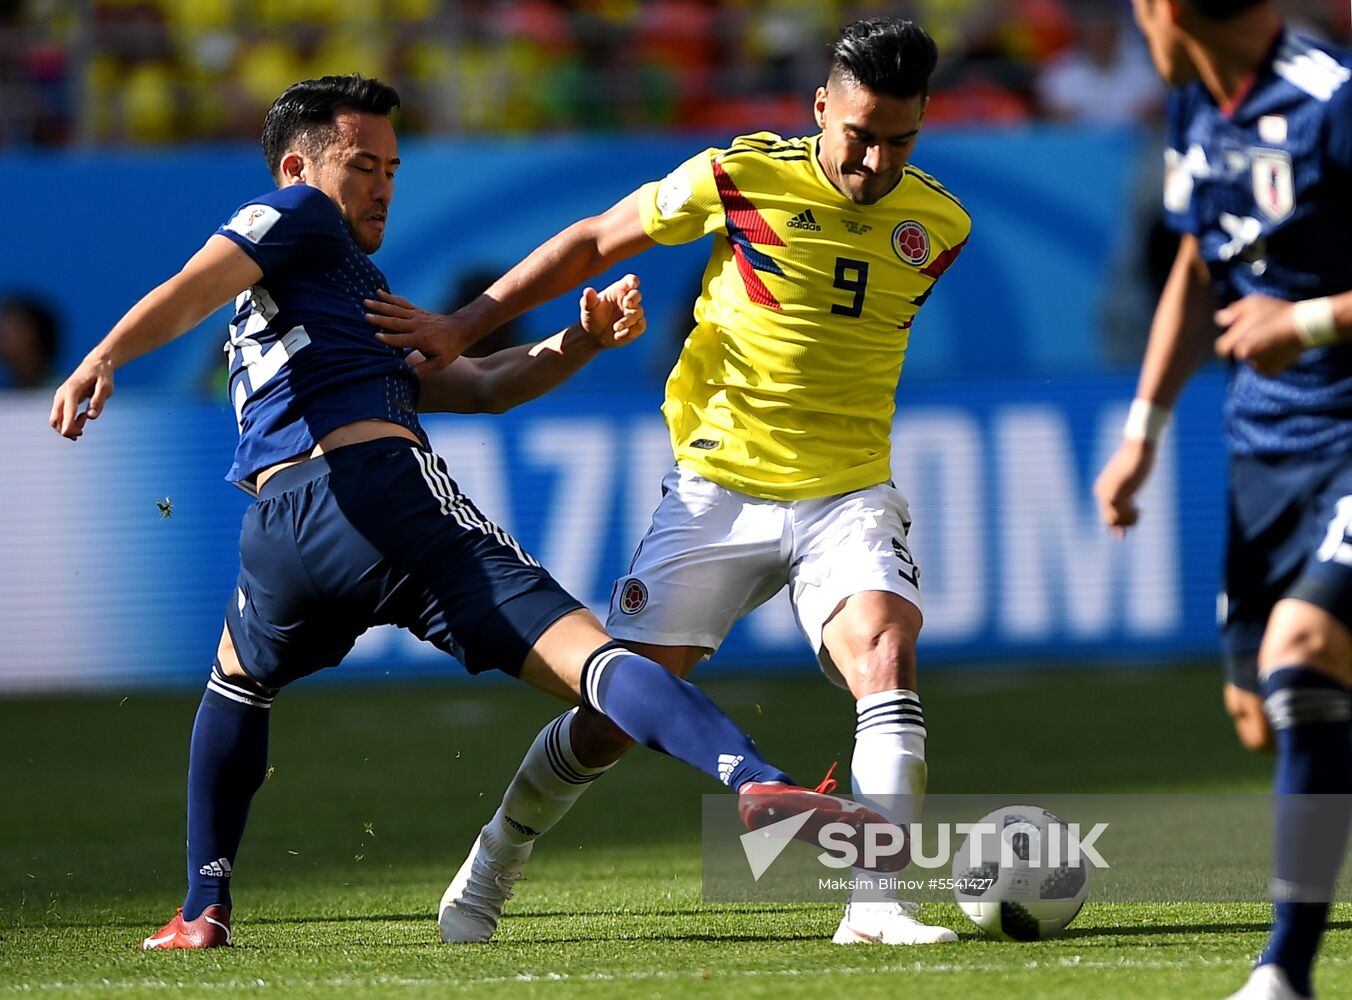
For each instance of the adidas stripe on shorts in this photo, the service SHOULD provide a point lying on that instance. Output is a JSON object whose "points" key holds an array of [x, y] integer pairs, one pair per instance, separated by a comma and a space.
{"points": [[378, 533]]}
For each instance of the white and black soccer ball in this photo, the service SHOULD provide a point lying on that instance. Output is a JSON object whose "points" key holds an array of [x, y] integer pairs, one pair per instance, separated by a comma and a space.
{"points": [[1025, 880]]}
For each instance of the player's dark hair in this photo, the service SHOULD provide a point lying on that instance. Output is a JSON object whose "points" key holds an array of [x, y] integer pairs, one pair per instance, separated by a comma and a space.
{"points": [[306, 111], [1221, 10], [885, 56]]}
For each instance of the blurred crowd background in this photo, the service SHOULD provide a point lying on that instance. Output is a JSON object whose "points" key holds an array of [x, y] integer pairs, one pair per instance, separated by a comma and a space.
{"points": [[111, 72], [164, 77]]}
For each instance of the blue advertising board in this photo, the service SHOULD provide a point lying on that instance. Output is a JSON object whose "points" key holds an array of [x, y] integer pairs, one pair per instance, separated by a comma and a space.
{"points": [[103, 589]]}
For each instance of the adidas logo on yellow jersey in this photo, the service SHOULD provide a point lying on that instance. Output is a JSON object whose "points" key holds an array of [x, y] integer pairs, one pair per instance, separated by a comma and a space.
{"points": [[804, 220]]}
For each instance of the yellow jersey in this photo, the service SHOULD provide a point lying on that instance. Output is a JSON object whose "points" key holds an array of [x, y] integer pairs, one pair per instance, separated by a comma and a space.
{"points": [[786, 387]]}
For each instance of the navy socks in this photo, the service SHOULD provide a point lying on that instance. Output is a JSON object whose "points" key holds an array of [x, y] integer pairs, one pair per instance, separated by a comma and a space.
{"points": [[664, 712], [229, 753], [226, 766], [1311, 714]]}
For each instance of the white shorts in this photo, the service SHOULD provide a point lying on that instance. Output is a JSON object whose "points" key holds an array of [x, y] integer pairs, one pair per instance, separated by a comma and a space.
{"points": [[713, 555]]}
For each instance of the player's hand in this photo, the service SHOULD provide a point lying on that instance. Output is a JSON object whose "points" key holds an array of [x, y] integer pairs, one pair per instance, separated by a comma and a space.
{"points": [[1260, 332], [615, 315], [92, 381], [1116, 487], [436, 340]]}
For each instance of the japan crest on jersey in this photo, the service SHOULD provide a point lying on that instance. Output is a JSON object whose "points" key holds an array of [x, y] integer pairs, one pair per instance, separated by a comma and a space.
{"points": [[1274, 190]]}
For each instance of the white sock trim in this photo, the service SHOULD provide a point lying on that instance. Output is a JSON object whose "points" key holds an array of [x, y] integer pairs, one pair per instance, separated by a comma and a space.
{"points": [[597, 664], [559, 751], [226, 687], [889, 712]]}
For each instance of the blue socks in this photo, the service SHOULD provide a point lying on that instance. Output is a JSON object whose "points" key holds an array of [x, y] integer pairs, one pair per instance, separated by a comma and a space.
{"points": [[666, 713], [1311, 714], [226, 766]]}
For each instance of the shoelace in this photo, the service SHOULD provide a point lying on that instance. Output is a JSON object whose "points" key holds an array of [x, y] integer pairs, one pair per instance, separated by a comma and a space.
{"points": [[506, 881], [828, 783], [504, 878]]}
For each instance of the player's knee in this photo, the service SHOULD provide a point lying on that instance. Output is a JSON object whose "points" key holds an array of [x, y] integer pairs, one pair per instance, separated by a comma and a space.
{"points": [[227, 666], [1303, 634], [1291, 646], [871, 639], [596, 740], [879, 658], [227, 660], [242, 683]]}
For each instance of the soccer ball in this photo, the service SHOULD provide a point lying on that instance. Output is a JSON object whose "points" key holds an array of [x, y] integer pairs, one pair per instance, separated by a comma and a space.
{"points": [[1019, 876]]}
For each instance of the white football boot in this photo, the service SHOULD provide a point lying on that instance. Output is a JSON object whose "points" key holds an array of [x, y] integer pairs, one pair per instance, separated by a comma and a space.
{"points": [[887, 923], [472, 904], [1267, 982]]}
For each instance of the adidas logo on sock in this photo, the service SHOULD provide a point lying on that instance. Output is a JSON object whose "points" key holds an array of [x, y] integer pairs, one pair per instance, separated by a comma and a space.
{"points": [[521, 827], [220, 868], [805, 220], [727, 763]]}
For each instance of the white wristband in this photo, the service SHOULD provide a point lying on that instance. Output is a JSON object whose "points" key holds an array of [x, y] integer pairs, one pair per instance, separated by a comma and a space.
{"points": [[1145, 421], [1315, 323]]}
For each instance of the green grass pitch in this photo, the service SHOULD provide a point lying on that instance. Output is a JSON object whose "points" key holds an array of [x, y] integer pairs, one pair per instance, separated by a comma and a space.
{"points": [[376, 792]]}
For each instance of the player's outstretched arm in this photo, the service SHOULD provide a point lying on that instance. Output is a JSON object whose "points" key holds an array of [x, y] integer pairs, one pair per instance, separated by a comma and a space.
{"points": [[1270, 334], [1179, 337], [211, 278], [578, 254], [612, 317]]}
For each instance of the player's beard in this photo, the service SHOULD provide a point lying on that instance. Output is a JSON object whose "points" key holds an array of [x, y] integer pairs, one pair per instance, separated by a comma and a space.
{"points": [[369, 242], [868, 189]]}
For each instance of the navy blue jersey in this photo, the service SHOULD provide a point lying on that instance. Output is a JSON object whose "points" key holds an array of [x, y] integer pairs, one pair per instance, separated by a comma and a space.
{"points": [[1266, 187], [303, 359]]}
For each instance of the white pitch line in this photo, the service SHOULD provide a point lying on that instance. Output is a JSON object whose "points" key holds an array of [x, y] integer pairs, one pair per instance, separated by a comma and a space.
{"points": [[910, 968]]}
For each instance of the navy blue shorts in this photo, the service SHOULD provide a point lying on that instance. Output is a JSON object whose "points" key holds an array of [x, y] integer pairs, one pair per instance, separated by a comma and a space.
{"points": [[372, 534], [1290, 524]]}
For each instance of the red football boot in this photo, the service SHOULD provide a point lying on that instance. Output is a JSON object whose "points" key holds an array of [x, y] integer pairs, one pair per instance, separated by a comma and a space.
{"points": [[761, 804], [210, 930]]}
